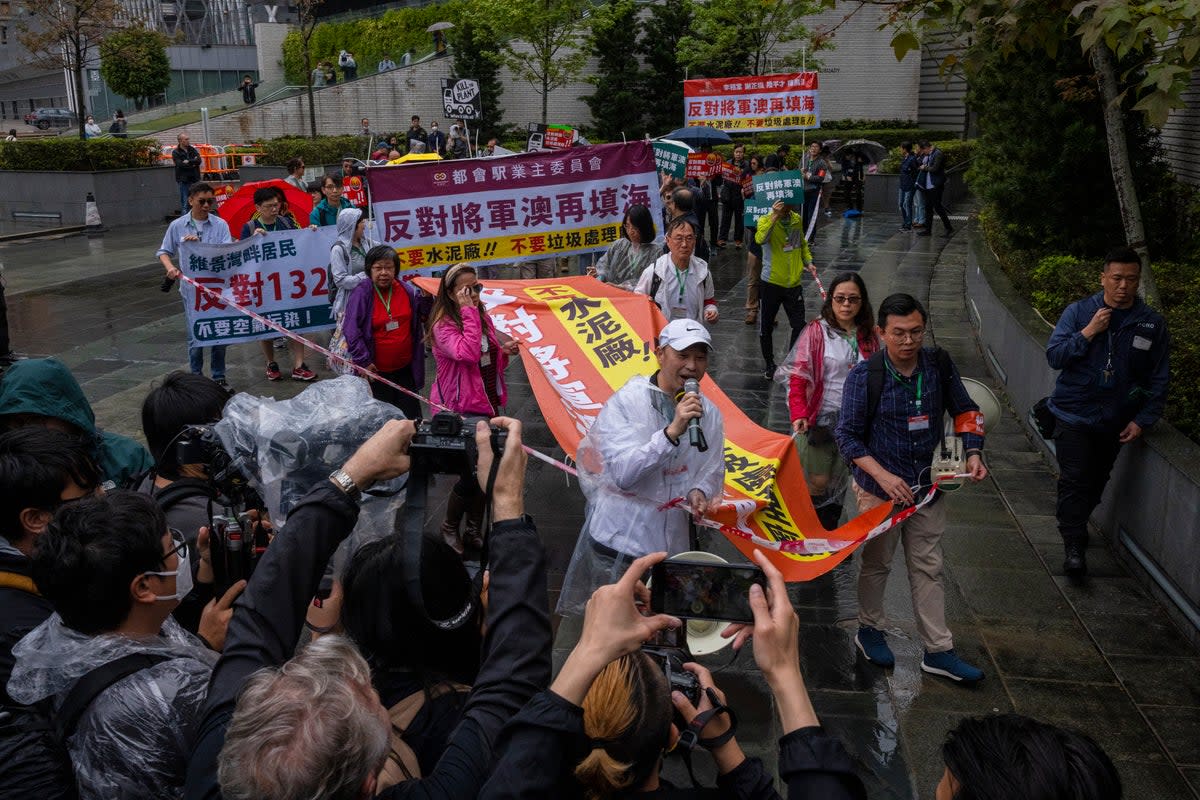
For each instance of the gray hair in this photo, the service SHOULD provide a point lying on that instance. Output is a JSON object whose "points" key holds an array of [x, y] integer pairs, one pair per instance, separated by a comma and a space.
{"points": [[310, 729]]}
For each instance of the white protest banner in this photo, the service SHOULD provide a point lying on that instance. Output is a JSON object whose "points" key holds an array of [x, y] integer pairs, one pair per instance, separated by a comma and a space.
{"points": [[753, 102], [282, 275], [517, 208]]}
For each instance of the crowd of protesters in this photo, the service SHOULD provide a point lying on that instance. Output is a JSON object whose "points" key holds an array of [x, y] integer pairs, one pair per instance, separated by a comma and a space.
{"points": [[128, 671]]}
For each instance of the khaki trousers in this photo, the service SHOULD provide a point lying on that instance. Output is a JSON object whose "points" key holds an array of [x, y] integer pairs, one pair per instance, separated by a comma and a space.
{"points": [[922, 537]]}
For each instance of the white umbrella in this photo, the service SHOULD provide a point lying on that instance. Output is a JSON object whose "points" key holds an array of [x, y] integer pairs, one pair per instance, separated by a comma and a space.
{"points": [[439, 26]]}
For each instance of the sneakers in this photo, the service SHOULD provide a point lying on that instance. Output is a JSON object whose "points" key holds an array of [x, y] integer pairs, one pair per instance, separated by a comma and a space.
{"points": [[273, 373], [224, 384], [949, 665], [769, 372], [1075, 563], [873, 645], [303, 373]]}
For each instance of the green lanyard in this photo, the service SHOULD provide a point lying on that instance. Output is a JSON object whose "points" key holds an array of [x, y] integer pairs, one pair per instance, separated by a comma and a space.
{"points": [[387, 304], [679, 276], [852, 339], [908, 385]]}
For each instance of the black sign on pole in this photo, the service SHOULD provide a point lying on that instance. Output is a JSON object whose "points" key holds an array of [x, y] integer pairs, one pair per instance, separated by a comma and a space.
{"points": [[461, 99]]}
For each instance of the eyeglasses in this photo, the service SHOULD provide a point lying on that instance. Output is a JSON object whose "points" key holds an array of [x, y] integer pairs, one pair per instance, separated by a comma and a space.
{"points": [[684, 239], [205, 201], [907, 336], [847, 300], [181, 546]]}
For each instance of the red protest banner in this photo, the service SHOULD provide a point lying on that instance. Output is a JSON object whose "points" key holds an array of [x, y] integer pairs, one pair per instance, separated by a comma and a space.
{"points": [[702, 165], [355, 190], [754, 102], [581, 340], [558, 137], [730, 172], [526, 206]]}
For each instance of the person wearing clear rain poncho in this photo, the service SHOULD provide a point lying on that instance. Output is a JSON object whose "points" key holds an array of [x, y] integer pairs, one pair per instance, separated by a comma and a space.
{"points": [[624, 262], [114, 572], [816, 369], [636, 457]]}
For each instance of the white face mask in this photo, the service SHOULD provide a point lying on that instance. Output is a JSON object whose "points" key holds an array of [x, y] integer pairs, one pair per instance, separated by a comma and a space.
{"points": [[183, 578]]}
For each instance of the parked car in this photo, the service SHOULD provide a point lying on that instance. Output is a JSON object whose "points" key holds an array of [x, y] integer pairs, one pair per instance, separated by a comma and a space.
{"points": [[46, 118]]}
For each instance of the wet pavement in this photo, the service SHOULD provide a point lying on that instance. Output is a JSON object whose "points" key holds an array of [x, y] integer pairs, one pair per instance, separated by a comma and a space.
{"points": [[1101, 657]]}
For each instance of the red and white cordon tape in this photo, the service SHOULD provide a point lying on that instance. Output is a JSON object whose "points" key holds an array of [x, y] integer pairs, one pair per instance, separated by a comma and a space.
{"points": [[361, 371]]}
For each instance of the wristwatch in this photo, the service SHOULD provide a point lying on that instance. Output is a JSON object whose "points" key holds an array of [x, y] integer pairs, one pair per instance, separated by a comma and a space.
{"points": [[346, 484]]}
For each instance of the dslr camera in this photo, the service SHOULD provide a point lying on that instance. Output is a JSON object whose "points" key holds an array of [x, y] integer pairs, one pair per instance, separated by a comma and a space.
{"points": [[670, 659], [445, 444]]}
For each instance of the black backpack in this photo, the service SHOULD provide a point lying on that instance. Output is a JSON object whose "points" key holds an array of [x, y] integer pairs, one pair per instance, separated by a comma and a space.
{"points": [[33, 739]]}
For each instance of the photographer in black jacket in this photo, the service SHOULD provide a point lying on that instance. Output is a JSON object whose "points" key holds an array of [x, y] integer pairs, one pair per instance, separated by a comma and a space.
{"points": [[314, 726]]}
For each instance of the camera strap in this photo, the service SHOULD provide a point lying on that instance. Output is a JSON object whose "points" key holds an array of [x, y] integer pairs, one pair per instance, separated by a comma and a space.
{"points": [[690, 737]]}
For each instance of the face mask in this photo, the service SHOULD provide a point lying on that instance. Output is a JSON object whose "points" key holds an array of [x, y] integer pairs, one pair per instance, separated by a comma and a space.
{"points": [[183, 579]]}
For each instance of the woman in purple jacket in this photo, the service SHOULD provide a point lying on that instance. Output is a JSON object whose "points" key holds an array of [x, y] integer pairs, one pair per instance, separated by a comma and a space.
{"points": [[471, 356], [384, 330]]}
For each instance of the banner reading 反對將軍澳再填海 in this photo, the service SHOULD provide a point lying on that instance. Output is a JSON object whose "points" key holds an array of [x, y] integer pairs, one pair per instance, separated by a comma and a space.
{"points": [[283, 276], [753, 102], [522, 207], [582, 340]]}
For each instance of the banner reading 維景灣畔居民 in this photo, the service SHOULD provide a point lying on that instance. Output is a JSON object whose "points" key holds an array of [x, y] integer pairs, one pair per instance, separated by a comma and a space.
{"points": [[528, 206], [753, 102], [283, 276]]}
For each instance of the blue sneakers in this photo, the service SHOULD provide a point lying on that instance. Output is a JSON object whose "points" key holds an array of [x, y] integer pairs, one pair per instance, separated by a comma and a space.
{"points": [[871, 643], [949, 665]]}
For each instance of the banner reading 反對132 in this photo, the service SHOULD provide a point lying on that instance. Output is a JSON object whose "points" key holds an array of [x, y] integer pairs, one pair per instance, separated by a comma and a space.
{"points": [[284, 276], [522, 207], [754, 102]]}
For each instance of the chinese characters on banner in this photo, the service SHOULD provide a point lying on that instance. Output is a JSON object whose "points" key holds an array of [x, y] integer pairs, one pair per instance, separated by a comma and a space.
{"points": [[354, 189], [703, 165], [786, 186], [581, 340], [527, 206], [753, 209], [753, 103], [671, 157], [282, 276]]}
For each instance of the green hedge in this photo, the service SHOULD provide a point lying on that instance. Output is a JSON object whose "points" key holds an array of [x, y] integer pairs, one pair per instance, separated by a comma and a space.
{"points": [[322, 150], [77, 155]]}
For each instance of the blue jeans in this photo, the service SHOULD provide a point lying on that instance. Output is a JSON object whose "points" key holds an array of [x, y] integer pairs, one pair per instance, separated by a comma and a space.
{"points": [[217, 360], [920, 216], [183, 192], [906, 207]]}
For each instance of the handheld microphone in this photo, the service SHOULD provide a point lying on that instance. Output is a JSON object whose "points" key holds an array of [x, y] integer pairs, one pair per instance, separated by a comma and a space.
{"points": [[695, 432]]}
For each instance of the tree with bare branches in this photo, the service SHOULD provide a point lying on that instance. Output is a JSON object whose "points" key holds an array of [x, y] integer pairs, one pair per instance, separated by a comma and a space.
{"points": [[307, 10], [66, 35]]}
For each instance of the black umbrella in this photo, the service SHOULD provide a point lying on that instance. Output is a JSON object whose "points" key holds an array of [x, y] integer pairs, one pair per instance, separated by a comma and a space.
{"points": [[699, 135]]}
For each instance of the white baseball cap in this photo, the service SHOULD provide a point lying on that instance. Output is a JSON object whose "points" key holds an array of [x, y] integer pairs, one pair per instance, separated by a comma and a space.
{"points": [[680, 334]]}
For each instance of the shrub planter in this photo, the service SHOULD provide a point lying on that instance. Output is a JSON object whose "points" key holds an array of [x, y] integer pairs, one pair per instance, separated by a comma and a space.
{"points": [[881, 192], [124, 196], [1152, 503]]}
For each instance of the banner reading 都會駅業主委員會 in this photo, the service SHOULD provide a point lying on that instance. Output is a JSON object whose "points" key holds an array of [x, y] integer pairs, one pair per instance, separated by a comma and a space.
{"points": [[753, 102], [517, 208], [283, 276]]}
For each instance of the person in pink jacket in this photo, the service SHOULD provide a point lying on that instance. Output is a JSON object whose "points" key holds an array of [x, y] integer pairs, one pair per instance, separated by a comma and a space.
{"points": [[471, 357], [817, 367]]}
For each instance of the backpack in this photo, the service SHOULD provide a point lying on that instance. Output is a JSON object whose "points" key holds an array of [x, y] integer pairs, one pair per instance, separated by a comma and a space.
{"points": [[33, 739], [402, 764]]}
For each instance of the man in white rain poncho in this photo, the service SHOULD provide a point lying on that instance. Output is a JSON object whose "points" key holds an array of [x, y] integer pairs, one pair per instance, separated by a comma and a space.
{"points": [[636, 457]]}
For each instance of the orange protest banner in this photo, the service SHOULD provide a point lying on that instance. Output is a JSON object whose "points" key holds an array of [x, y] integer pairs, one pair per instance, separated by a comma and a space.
{"points": [[582, 340]]}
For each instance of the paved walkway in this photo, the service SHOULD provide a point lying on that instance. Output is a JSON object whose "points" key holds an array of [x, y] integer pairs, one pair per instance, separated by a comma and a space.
{"points": [[1101, 657]]}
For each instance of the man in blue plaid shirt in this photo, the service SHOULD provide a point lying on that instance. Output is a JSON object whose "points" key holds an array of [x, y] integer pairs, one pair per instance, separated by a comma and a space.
{"points": [[891, 447]]}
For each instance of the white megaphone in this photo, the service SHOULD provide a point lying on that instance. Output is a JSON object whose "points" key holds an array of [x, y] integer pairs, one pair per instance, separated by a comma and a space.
{"points": [[949, 460], [704, 635]]}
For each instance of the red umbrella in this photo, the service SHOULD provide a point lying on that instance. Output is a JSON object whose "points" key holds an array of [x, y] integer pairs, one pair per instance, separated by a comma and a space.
{"points": [[239, 208]]}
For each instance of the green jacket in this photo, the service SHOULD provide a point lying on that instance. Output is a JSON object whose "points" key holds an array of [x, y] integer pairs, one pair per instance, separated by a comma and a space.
{"points": [[46, 388], [779, 266]]}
